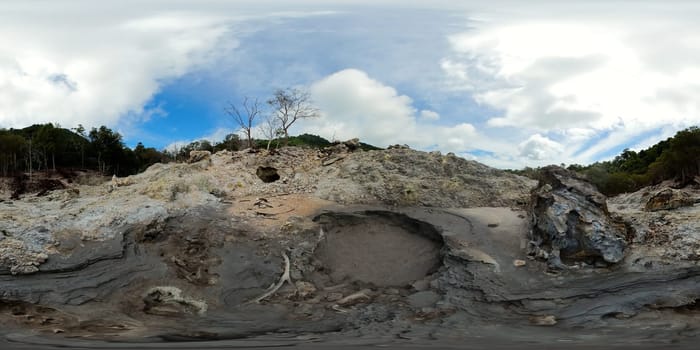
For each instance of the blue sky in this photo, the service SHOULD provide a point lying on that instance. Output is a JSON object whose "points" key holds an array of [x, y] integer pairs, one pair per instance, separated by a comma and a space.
{"points": [[507, 83]]}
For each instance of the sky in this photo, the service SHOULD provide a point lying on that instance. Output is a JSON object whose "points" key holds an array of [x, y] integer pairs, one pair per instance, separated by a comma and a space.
{"points": [[506, 83]]}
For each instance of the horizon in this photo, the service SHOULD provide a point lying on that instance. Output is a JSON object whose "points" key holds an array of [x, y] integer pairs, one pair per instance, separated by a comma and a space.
{"points": [[507, 84]]}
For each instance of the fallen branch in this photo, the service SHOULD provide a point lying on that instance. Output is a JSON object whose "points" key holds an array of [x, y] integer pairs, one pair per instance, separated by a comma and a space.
{"points": [[354, 298], [284, 278], [339, 309], [264, 214]]}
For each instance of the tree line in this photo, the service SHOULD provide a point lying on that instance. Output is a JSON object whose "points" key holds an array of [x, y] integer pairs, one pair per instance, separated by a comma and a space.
{"points": [[48, 147], [676, 158]]}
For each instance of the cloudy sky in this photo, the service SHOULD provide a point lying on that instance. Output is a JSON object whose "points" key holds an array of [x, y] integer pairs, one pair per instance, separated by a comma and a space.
{"points": [[508, 83]]}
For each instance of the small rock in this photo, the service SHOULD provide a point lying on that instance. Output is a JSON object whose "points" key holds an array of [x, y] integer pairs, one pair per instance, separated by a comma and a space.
{"points": [[519, 263], [305, 289], [421, 285], [391, 291], [423, 299], [543, 320], [304, 309], [334, 296]]}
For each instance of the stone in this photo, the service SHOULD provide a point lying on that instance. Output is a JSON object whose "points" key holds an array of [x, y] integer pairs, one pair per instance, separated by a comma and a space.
{"points": [[352, 144], [423, 299], [421, 285], [519, 263], [170, 301], [544, 320], [197, 156], [669, 199], [305, 289], [334, 296], [571, 220]]}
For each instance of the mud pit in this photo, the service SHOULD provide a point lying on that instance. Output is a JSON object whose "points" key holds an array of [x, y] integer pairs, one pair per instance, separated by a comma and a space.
{"points": [[378, 247]]}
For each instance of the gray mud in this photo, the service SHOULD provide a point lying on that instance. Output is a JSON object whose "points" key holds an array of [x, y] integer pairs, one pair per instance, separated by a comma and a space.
{"points": [[364, 277]]}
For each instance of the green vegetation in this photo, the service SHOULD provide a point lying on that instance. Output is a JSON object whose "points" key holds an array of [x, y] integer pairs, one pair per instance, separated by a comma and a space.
{"points": [[306, 140], [44, 147], [676, 158]]}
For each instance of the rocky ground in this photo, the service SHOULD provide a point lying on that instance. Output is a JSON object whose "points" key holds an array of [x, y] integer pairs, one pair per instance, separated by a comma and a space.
{"points": [[303, 247]]}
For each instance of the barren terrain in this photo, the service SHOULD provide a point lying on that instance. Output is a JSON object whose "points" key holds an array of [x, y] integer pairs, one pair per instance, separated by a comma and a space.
{"points": [[392, 248]]}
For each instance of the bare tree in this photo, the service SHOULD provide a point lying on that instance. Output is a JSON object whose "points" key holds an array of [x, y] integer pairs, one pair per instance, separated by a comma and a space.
{"points": [[290, 105], [245, 118], [271, 129]]}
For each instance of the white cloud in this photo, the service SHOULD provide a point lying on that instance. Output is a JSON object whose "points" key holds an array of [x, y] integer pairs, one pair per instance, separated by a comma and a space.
{"points": [[429, 115], [571, 76], [538, 148], [355, 105], [95, 67]]}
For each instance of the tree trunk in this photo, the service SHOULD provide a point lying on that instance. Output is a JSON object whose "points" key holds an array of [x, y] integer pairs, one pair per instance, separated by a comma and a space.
{"points": [[30, 159]]}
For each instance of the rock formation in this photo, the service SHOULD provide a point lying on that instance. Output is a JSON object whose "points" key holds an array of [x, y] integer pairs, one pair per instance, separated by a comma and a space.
{"points": [[571, 220], [668, 199]]}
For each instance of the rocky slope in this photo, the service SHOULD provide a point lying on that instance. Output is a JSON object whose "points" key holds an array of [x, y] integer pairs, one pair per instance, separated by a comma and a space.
{"points": [[345, 247]]}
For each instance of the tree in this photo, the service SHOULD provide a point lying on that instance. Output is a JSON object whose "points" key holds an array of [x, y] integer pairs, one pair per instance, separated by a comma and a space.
{"points": [[246, 117], [80, 130], [11, 149], [146, 156], [231, 142], [681, 160], [290, 105], [108, 146], [271, 129]]}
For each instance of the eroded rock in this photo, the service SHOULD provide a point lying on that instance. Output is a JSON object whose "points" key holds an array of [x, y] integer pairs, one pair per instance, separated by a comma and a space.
{"points": [[669, 199], [571, 220], [196, 156], [170, 301]]}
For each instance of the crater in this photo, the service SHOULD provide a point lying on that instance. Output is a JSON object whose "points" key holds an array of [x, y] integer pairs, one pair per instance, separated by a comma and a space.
{"points": [[267, 174], [378, 247]]}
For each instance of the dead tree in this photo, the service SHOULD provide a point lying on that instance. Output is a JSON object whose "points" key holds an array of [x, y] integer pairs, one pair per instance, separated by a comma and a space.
{"points": [[289, 105], [245, 118], [271, 129]]}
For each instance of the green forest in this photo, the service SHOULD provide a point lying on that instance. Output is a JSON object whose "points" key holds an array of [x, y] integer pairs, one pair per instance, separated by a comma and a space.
{"points": [[47, 147], [676, 158]]}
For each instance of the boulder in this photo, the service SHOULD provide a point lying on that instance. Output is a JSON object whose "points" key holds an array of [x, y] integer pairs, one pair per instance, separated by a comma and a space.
{"points": [[196, 156], [668, 199], [352, 144], [571, 220]]}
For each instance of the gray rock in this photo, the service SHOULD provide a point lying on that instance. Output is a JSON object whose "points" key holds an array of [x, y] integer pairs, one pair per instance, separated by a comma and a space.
{"points": [[424, 299], [571, 220]]}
